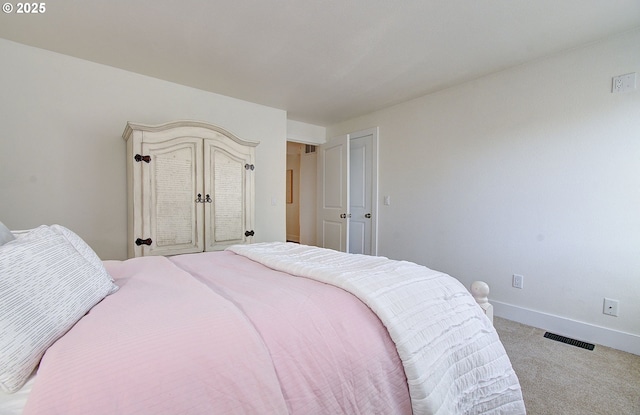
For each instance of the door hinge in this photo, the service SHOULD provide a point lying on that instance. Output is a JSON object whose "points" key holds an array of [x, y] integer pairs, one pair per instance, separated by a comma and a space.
{"points": [[139, 158]]}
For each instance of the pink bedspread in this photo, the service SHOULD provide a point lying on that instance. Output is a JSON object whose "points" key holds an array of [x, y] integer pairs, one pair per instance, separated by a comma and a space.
{"points": [[216, 333]]}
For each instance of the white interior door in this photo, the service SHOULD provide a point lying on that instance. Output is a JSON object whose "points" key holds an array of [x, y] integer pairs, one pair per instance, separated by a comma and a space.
{"points": [[361, 194], [333, 192]]}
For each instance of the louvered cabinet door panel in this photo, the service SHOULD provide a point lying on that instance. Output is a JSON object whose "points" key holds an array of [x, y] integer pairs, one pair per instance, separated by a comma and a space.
{"points": [[229, 183], [172, 217]]}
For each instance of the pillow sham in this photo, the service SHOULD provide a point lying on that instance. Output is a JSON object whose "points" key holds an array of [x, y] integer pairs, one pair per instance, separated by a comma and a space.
{"points": [[83, 249], [46, 286], [5, 234]]}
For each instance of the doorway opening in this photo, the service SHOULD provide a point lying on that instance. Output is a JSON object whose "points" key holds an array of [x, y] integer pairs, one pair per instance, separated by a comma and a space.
{"points": [[301, 193]]}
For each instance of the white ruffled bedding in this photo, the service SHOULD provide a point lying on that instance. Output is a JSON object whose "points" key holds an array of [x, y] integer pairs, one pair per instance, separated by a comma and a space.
{"points": [[452, 356]]}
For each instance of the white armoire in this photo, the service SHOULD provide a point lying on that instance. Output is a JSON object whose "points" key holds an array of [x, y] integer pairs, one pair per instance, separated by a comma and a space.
{"points": [[190, 188]]}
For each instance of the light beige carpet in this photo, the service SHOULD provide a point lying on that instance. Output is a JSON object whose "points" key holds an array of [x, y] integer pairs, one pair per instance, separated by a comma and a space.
{"points": [[561, 379]]}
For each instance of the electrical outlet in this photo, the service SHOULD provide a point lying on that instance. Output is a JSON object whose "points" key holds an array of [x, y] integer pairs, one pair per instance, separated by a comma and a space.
{"points": [[623, 83], [518, 281], [610, 307]]}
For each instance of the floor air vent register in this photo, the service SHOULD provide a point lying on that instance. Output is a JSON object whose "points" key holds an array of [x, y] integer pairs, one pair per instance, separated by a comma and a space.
{"points": [[567, 340]]}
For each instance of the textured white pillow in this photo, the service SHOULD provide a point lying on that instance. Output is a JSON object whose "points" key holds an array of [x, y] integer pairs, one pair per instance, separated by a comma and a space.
{"points": [[46, 286], [5, 234], [85, 250]]}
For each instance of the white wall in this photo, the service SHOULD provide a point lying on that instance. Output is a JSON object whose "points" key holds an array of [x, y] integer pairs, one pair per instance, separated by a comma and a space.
{"points": [[62, 158], [533, 170], [301, 132]]}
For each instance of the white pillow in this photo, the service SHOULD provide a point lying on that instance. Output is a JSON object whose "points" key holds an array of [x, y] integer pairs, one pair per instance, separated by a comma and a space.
{"points": [[83, 249], [5, 234], [46, 286]]}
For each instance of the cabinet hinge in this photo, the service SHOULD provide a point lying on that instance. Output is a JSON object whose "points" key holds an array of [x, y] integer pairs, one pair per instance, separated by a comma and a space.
{"points": [[140, 241], [249, 166], [139, 158]]}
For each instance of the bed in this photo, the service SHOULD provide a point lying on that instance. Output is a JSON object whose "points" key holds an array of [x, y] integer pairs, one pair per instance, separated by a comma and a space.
{"points": [[266, 328]]}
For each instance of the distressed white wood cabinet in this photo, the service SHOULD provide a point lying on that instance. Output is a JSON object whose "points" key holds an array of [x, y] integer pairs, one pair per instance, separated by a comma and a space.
{"points": [[190, 188]]}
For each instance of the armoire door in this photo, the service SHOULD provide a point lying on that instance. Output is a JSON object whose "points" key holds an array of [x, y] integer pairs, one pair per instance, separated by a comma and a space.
{"points": [[173, 219], [229, 182]]}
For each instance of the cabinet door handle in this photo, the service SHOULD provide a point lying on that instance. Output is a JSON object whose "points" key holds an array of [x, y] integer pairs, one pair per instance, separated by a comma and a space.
{"points": [[367, 215], [206, 199], [140, 241]]}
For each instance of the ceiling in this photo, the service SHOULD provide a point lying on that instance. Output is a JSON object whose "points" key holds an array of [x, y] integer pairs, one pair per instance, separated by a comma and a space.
{"points": [[323, 61]]}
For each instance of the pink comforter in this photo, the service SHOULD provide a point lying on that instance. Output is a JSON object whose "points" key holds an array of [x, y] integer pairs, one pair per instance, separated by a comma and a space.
{"points": [[216, 333]]}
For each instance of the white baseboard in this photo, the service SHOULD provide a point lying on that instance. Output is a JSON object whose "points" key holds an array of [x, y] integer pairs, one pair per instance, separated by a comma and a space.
{"points": [[578, 330]]}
